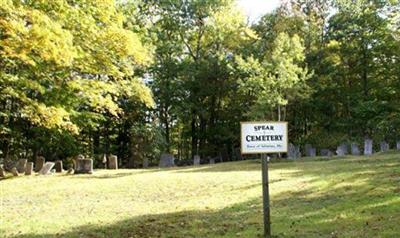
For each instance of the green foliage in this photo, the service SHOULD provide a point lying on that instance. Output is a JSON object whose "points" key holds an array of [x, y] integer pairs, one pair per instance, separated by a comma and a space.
{"points": [[62, 61], [141, 77], [278, 79]]}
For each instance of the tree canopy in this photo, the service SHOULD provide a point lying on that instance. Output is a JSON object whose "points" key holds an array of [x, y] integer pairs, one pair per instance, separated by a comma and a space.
{"points": [[141, 77]]}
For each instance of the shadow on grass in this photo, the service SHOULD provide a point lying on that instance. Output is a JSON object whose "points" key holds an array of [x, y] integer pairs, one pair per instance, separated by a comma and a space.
{"points": [[305, 213], [102, 176], [228, 222]]}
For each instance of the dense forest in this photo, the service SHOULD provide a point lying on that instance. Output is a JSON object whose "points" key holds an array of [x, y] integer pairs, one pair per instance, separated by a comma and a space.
{"points": [[137, 78]]}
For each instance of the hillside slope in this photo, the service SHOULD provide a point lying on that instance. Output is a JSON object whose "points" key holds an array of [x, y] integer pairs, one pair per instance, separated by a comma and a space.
{"points": [[341, 197]]}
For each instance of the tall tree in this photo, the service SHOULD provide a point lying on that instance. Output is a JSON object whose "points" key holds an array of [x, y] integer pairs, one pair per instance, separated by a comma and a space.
{"points": [[63, 64]]}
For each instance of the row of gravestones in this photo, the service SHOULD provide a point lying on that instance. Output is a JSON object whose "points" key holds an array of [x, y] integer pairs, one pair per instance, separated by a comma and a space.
{"points": [[81, 166], [168, 160], [28, 168], [342, 150]]}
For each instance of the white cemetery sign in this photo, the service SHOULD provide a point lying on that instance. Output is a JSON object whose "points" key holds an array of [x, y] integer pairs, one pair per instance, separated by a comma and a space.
{"points": [[264, 137]]}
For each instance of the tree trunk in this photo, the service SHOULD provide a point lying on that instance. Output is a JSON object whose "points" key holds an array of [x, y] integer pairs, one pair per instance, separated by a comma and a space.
{"points": [[194, 135], [202, 136]]}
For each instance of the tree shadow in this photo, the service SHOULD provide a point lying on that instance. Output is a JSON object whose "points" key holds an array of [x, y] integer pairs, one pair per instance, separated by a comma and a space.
{"points": [[307, 213], [101, 176], [228, 222]]}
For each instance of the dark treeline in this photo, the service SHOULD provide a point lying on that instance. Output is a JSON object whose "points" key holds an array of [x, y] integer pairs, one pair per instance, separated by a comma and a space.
{"points": [[142, 77]]}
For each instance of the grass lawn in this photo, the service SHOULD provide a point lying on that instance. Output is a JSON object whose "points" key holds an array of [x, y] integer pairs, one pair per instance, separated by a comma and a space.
{"points": [[341, 197]]}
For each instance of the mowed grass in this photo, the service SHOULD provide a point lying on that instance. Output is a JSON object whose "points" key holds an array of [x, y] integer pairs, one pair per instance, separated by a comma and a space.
{"points": [[340, 197]]}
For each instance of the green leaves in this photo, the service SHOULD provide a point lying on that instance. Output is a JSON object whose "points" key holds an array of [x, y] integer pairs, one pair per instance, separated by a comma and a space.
{"points": [[62, 61], [276, 80]]}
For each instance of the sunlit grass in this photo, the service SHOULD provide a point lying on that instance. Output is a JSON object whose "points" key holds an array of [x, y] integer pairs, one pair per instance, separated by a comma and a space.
{"points": [[346, 197]]}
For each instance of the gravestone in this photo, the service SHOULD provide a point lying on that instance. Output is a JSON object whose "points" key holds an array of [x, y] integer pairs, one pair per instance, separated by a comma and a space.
{"points": [[39, 163], [2, 172], [310, 151], [196, 160], [293, 152], [70, 171], [342, 150], [212, 160], [84, 166], [313, 152], [398, 145], [145, 163], [59, 166], [112, 162], [76, 158], [326, 152], [384, 146], [104, 161], [354, 149], [29, 168], [307, 147], [46, 169], [14, 171], [167, 160], [368, 147], [21, 165]]}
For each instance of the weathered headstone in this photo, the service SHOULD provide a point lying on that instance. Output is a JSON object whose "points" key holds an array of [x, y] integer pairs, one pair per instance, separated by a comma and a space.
{"points": [[167, 160], [326, 152], [398, 145], [313, 152], [46, 169], [145, 162], [212, 160], [59, 166], [70, 171], [14, 171], [29, 168], [21, 165], [104, 161], [196, 160], [8, 163], [384, 146], [39, 163], [368, 147], [307, 147], [342, 150], [84, 166], [112, 162], [78, 157], [310, 151], [293, 152], [354, 149], [2, 172]]}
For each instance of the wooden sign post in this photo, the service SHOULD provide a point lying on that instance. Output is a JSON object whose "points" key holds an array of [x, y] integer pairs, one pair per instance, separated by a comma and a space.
{"points": [[264, 138]]}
